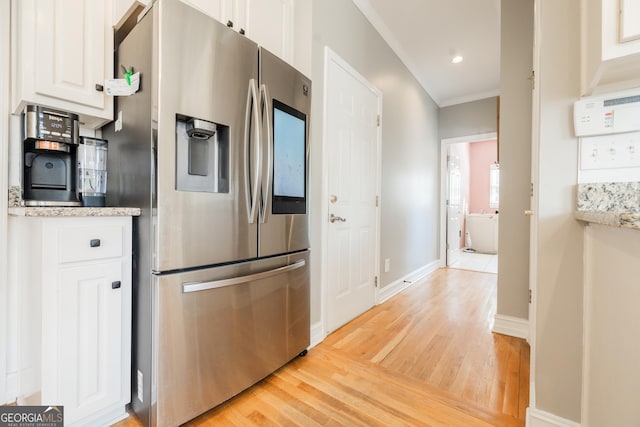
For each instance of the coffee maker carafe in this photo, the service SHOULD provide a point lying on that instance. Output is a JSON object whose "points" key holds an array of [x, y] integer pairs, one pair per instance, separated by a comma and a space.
{"points": [[49, 157], [92, 171]]}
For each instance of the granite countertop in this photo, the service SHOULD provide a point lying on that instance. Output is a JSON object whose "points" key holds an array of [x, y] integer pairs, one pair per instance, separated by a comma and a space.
{"points": [[616, 204], [72, 211], [16, 210]]}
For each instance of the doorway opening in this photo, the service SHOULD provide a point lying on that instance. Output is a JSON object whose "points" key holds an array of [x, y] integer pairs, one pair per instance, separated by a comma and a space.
{"points": [[470, 203]]}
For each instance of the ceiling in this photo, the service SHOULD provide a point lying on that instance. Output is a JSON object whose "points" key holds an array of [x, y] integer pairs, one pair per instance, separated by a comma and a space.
{"points": [[426, 34]]}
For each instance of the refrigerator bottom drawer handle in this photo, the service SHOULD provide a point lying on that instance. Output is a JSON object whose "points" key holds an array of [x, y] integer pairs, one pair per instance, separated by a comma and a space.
{"points": [[203, 286]]}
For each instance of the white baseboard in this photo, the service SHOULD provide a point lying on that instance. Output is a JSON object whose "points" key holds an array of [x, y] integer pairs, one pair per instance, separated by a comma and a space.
{"points": [[317, 334], [404, 282], [538, 418], [512, 326]]}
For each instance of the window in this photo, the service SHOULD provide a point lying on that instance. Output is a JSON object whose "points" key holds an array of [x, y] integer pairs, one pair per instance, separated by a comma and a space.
{"points": [[494, 185]]}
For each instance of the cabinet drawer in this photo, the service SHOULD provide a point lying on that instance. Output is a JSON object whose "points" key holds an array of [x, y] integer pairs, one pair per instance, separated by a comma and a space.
{"points": [[90, 243]]}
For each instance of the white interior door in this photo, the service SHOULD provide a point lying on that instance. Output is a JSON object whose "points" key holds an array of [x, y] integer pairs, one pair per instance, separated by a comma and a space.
{"points": [[351, 129], [454, 208]]}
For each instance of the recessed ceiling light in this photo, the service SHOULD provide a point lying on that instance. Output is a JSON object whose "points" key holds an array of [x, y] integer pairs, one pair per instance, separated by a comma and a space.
{"points": [[457, 59]]}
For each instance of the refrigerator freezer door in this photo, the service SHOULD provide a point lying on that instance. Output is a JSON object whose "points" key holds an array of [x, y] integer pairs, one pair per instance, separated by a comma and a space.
{"points": [[204, 184], [282, 232], [223, 329]]}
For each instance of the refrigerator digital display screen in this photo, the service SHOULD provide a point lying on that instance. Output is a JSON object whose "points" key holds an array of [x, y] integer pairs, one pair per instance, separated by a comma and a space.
{"points": [[289, 160]]}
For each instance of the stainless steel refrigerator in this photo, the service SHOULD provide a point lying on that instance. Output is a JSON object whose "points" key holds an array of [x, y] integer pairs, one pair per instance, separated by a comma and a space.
{"points": [[214, 149]]}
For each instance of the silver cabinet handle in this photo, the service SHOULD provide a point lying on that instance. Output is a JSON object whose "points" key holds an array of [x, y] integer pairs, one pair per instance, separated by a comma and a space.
{"points": [[203, 286], [334, 218]]}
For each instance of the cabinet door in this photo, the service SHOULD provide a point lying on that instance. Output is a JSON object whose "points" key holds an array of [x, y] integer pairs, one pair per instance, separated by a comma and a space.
{"points": [[71, 50], [62, 49], [90, 348], [271, 25], [223, 10], [629, 22]]}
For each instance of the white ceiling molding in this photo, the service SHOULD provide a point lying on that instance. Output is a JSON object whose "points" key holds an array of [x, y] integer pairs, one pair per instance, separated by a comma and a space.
{"points": [[427, 34], [372, 16]]}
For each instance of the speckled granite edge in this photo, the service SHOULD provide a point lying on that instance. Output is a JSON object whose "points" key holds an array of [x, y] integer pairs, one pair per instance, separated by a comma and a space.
{"points": [[609, 197], [616, 204], [69, 211], [15, 194], [629, 220]]}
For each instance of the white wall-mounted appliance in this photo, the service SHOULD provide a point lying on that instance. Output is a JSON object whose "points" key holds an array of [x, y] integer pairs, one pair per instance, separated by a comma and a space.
{"points": [[609, 129]]}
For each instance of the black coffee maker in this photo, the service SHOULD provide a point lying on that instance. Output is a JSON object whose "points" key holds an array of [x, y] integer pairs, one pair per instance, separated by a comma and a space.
{"points": [[50, 146]]}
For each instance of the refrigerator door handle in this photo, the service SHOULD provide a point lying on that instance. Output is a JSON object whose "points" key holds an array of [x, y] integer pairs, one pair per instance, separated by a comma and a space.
{"points": [[252, 115], [214, 284], [265, 102]]}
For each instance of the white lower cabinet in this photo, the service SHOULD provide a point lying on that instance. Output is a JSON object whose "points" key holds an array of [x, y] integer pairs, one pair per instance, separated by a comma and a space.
{"points": [[80, 271]]}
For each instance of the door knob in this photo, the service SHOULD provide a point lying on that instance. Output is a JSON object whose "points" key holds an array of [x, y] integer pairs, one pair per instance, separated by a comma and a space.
{"points": [[333, 198], [334, 218], [528, 213]]}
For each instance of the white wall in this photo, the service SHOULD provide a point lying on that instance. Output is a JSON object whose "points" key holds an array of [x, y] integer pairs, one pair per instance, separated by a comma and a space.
{"points": [[4, 176], [558, 340], [410, 147], [612, 350], [470, 118]]}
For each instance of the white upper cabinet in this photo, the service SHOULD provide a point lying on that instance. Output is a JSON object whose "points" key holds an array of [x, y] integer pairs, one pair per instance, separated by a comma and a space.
{"points": [[629, 20], [225, 11], [271, 24], [610, 45], [281, 26], [62, 52]]}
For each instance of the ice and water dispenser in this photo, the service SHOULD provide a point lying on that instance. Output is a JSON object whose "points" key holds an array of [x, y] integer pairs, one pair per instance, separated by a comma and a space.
{"points": [[202, 149]]}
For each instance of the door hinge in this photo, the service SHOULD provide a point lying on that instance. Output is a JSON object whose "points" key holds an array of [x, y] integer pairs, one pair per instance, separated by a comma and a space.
{"points": [[378, 120], [531, 190], [377, 201], [532, 79], [375, 281], [530, 296]]}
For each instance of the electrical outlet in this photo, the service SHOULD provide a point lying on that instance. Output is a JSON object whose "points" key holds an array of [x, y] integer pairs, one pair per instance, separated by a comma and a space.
{"points": [[387, 265]]}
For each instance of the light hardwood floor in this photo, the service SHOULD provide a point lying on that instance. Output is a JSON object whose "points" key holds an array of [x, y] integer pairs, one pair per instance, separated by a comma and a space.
{"points": [[426, 357]]}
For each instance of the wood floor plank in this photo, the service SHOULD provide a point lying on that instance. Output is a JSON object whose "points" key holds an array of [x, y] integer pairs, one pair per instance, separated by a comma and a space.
{"points": [[426, 357]]}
